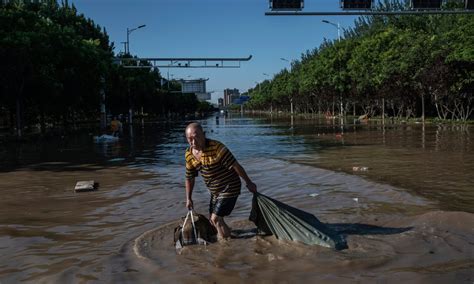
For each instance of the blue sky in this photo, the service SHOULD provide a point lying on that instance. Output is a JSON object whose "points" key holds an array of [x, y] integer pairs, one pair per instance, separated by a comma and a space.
{"points": [[215, 28]]}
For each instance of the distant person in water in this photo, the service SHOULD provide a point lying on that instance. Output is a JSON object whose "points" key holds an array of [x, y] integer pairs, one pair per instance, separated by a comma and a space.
{"points": [[116, 127], [221, 173]]}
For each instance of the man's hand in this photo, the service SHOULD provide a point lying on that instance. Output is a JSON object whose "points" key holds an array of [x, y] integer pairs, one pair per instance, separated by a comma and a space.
{"points": [[189, 204], [252, 187]]}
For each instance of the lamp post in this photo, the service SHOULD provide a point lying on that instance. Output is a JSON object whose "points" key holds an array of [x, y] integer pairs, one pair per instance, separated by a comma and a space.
{"points": [[103, 113], [291, 95], [129, 31], [124, 46], [172, 75], [168, 73], [259, 87], [271, 103], [338, 26]]}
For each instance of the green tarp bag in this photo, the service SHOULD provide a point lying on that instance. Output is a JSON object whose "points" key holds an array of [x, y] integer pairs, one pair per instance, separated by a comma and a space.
{"points": [[288, 223]]}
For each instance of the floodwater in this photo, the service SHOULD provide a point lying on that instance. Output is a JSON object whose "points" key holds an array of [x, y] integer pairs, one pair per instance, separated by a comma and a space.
{"points": [[402, 196]]}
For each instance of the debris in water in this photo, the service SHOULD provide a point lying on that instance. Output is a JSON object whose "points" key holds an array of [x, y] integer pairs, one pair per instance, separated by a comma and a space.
{"points": [[88, 185], [360, 169]]}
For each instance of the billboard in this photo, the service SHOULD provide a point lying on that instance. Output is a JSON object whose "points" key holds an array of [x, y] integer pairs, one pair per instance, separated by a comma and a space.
{"points": [[193, 86], [241, 100], [203, 96]]}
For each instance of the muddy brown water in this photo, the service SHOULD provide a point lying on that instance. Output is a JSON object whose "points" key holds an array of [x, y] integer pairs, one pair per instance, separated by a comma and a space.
{"points": [[407, 217]]}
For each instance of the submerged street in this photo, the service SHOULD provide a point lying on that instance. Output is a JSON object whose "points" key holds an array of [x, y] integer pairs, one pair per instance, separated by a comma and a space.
{"points": [[400, 194]]}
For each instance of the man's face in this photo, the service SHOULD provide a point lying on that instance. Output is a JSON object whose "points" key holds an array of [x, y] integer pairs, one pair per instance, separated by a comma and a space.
{"points": [[196, 138]]}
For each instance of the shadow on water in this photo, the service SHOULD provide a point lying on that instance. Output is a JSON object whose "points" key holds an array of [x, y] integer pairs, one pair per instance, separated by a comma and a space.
{"points": [[364, 229], [341, 229]]}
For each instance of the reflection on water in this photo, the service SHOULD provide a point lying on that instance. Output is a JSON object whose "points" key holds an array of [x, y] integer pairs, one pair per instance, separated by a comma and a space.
{"points": [[49, 233]]}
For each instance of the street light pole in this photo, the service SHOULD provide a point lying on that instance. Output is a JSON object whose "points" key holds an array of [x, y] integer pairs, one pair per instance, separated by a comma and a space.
{"points": [[271, 102], [129, 31], [291, 95], [124, 47], [127, 51], [103, 112], [338, 26], [259, 87]]}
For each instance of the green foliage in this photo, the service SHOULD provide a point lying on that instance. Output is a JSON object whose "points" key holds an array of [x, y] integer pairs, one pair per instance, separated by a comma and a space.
{"points": [[55, 62], [401, 59], [52, 61]]}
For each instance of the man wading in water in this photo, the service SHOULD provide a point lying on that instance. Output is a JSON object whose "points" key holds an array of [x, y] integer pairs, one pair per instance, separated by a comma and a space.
{"points": [[221, 173]]}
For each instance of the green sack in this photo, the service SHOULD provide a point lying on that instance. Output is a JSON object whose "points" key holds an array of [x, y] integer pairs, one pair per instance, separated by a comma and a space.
{"points": [[288, 223]]}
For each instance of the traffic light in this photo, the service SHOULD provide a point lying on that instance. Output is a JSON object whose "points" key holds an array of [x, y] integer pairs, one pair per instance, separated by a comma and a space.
{"points": [[470, 4], [356, 4], [426, 4], [286, 5]]}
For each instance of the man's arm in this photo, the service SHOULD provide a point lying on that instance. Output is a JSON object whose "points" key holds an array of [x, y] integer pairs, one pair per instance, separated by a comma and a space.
{"points": [[189, 192], [241, 172]]}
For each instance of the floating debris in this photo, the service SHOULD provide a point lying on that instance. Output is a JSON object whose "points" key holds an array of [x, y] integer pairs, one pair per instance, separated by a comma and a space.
{"points": [[88, 185], [105, 138], [116, 160], [360, 169]]}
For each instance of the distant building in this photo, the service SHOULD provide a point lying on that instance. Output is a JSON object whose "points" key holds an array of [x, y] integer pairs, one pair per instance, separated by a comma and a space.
{"points": [[220, 102], [230, 95]]}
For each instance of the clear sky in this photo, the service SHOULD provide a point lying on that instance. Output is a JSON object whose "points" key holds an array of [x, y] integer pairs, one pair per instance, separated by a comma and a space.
{"points": [[215, 28]]}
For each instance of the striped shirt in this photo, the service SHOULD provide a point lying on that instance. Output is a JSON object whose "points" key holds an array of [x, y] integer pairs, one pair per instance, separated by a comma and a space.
{"points": [[216, 169]]}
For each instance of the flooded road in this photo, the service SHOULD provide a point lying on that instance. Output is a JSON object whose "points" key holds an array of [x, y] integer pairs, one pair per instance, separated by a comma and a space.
{"points": [[402, 195]]}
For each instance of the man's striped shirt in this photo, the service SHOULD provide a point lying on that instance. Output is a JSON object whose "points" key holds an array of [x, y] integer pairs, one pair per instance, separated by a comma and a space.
{"points": [[216, 169]]}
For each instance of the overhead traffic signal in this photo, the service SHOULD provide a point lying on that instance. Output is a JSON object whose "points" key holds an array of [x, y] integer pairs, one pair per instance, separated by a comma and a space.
{"points": [[286, 5], [356, 4], [426, 4], [470, 4]]}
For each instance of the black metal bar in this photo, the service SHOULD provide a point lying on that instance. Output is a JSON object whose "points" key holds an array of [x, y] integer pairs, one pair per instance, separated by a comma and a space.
{"points": [[185, 59], [367, 13], [166, 66]]}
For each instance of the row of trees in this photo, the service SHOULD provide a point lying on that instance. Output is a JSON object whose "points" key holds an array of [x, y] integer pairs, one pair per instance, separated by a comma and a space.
{"points": [[55, 63], [400, 66]]}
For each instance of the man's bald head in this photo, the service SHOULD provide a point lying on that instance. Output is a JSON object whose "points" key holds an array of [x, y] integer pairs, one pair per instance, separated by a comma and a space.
{"points": [[193, 126], [195, 136]]}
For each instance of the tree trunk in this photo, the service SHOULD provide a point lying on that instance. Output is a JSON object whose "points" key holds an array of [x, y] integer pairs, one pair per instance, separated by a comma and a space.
{"points": [[42, 122], [18, 117], [383, 111], [19, 126], [11, 122], [423, 107]]}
